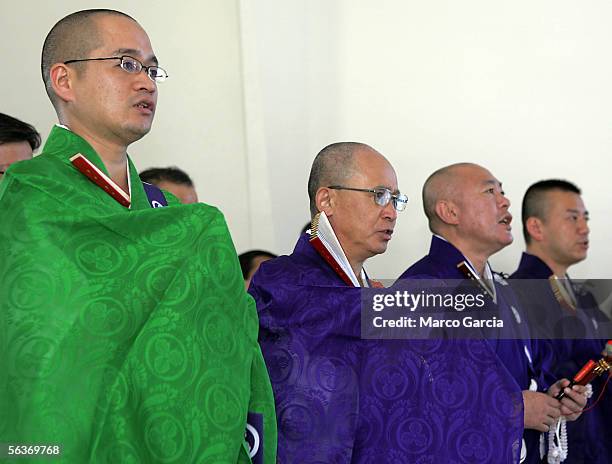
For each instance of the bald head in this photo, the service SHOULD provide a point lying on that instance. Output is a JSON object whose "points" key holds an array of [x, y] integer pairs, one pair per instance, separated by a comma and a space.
{"points": [[72, 38], [334, 165], [443, 184]]}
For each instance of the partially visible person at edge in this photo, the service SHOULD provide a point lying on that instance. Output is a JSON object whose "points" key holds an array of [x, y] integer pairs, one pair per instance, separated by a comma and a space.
{"points": [[126, 333], [18, 141], [344, 399], [173, 180], [250, 262], [469, 217], [562, 311]]}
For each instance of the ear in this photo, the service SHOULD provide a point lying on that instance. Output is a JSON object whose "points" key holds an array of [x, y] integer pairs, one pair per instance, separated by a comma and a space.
{"points": [[61, 81], [325, 201], [535, 228], [447, 212]]}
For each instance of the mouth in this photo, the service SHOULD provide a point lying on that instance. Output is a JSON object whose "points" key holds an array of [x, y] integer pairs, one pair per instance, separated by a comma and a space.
{"points": [[387, 233], [506, 220], [145, 106]]}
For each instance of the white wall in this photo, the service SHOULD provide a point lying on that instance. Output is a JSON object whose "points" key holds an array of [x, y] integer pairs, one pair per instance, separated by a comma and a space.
{"points": [[258, 87], [520, 87]]}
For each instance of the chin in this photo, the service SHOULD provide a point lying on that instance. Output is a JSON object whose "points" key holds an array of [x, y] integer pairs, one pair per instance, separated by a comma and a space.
{"points": [[136, 133], [380, 249], [500, 245]]}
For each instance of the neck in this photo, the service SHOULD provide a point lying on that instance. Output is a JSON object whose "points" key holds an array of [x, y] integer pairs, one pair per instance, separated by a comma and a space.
{"points": [[558, 269], [357, 267], [478, 262], [112, 154], [477, 258]]}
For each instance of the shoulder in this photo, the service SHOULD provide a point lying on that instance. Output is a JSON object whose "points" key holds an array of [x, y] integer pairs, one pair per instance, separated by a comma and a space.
{"points": [[280, 270], [519, 274], [274, 284], [424, 268], [35, 166], [28, 177], [297, 271], [208, 218]]}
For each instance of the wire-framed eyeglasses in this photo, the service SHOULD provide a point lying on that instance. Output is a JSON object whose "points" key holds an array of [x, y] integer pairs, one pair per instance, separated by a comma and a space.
{"points": [[132, 66], [382, 196]]}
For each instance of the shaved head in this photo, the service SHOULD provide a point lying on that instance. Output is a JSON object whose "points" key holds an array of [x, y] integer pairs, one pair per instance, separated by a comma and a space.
{"points": [[72, 38], [466, 205], [334, 165], [443, 184]]}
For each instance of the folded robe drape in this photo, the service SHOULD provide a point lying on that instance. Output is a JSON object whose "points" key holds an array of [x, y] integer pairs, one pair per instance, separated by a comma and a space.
{"points": [[125, 334]]}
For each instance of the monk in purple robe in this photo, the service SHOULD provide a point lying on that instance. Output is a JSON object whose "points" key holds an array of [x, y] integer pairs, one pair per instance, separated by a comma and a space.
{"points": [[468, 215], [343, 399], [565, 314]]}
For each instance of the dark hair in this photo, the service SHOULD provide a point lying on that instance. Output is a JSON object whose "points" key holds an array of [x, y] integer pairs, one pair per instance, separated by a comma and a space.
{"points": [[246, 260], [534, 204], [170, 174], [72, 38], [14, 130]]}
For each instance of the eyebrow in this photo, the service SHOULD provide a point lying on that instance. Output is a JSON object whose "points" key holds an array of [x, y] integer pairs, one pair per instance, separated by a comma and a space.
{"points": [[492, 182], [394, 192], [575, 211], [132, 52]]}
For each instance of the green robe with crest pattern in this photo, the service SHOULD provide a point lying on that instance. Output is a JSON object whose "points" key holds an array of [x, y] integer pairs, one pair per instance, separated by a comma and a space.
{"points": [[126, 335]]}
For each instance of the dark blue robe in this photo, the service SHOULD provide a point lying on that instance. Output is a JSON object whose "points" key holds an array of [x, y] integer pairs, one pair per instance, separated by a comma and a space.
{"points": [[341, 399], [589, 436], [441, 263]]}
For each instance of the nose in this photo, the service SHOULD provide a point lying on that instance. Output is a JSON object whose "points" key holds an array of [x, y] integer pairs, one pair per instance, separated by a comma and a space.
{"points": [[504, 202], [583, 226], [389, 212], [144, 82]]}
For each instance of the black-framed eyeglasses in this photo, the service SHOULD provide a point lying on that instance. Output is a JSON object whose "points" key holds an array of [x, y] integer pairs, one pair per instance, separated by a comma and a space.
{"points": [[382, 196], [132, 66]]}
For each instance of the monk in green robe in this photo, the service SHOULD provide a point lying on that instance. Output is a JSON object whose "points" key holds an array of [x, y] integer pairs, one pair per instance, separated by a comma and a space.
{"points": [[125, 331]]}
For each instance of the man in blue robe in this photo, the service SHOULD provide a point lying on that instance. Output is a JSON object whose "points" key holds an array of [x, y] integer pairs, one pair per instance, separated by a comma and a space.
{"points": [[342, 399], [565, 316], [468, 215]]}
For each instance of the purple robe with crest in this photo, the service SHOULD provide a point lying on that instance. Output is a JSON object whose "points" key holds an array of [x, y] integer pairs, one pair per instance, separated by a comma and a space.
{"points": [[341, 399], [521, 357], [588, 437]]}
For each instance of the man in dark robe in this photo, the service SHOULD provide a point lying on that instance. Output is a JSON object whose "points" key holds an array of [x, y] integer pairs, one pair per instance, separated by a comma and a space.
{"points": [[342, 399], [561, 312], [468, 215]]}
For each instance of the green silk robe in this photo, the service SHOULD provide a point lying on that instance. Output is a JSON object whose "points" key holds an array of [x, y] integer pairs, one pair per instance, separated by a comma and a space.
{"points": [[126, 335]]}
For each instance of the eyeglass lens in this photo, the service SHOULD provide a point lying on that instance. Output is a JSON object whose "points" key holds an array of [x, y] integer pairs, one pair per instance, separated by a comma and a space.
{"points": [[132, 65]]}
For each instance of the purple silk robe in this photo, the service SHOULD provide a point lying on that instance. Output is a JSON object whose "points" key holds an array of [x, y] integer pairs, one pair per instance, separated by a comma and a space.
{"points": [[341, 399], [441, 263], [588, 437]]}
